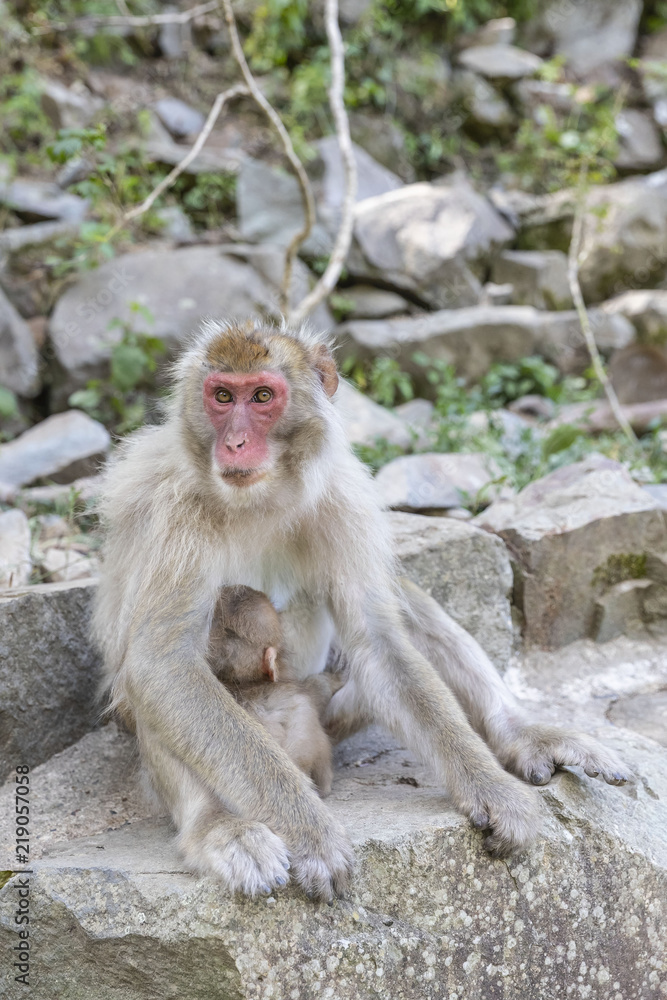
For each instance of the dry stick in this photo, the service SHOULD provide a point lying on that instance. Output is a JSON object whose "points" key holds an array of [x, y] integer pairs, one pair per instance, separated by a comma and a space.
{"points": [[297, 166], [166, 182], [327, 282], [575, 289], [129, 20]]}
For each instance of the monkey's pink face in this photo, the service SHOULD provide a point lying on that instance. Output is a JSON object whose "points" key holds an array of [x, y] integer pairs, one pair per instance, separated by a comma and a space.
{"points": [[242, 410]]}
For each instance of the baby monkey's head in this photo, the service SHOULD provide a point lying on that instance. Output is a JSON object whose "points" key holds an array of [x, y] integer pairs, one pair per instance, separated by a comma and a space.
{"points": [[249, 637]]}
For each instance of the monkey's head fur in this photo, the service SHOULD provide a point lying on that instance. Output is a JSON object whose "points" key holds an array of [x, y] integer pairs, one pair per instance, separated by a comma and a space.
{"points": [[251, 400]]}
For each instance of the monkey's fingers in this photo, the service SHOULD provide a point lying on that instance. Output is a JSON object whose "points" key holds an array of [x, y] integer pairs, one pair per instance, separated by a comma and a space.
{"points": [[247, 856], [511, 813], [325, 873], [538, 750]]}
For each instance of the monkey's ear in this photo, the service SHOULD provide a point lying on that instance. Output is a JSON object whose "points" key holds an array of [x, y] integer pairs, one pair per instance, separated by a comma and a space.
{"points": [[325, 366], [269, 664]]}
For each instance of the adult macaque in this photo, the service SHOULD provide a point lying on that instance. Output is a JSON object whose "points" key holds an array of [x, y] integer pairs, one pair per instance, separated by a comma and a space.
{"points": [[251, 481], [247, 653]]}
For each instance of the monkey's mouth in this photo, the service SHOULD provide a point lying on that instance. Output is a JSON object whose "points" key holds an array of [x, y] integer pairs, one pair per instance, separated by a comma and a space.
{"points": [[242, 477]]}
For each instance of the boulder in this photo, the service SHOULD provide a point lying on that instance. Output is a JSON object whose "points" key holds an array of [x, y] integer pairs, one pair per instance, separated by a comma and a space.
{"points": [[270, 207], [500, 62], [13, 241], [497, 31], [69, 107], [647, 311], [454, 563], [590, 35], [639, 373], [487, 110], [62, 565], [35, 200], [428, 239], [473, 339], [640, 144], [365, 421], [382, 139], [573, 536], [433, 482], [366, 302], [598, 417], [223, 152], [372, 180], [179, 118], [624, 242], [539, 277], [15, 561], [61, 448], [19, 359], [49, 672], [114, 914], [179, 287]]}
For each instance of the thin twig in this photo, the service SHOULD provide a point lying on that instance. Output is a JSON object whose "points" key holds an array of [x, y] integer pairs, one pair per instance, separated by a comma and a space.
{"points": [[578, 298], [327, 282], [166, 182], [129, 20], [297, 166]]}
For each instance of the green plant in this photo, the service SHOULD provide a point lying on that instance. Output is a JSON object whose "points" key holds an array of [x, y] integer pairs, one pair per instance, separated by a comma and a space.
{"points": [[122, 401]]}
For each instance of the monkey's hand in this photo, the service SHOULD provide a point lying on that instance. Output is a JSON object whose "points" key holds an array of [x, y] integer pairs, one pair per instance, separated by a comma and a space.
{"points": [[245, 855], [535, 751], [504, 807], [321, 857]]}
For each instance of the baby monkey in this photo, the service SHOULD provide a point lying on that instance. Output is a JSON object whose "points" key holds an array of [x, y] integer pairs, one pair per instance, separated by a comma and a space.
{"points": [[246, 653]]}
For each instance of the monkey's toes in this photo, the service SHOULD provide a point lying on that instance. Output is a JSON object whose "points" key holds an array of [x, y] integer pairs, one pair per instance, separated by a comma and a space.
{"points": [[542, 774]]}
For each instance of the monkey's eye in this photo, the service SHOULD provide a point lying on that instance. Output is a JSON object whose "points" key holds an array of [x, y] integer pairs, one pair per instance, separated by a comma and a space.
{"points": [[262, 395], [223, 396]]}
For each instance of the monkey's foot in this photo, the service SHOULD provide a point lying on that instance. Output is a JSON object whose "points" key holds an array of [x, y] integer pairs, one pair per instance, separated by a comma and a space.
{"points": [[323, 865], [534, 752], [510, 812], [246, 856]]}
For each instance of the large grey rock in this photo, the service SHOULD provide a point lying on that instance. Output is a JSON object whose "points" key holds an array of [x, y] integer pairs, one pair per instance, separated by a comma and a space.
{"points": [[639, 373], [62, 448], [114, 916], [90, 786], [472, 339], [471, 579], [434, 482], [366, 302], [640, 144], [365, 421], [497, 31], [69, 107], [647, 311], [500, 62], [539, 277], [42, 200], [15, 561], [372, 180], [19, 360], [428, 239], [487, 110], [590, 35], [178, 117], [222, 154], [49, 673], [270, 206], [624, 243], [573, 535], [178, 287], [13, 241]]}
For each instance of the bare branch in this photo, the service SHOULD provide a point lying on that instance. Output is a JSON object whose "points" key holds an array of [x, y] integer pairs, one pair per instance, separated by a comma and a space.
{"points": [[575, 289], [297, 166], [219, 103], [128, 20], [327, 282]]}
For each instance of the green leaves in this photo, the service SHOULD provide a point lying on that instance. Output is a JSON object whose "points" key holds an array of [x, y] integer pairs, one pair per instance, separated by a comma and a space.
{"points": [[8, 403], [559, 439]]}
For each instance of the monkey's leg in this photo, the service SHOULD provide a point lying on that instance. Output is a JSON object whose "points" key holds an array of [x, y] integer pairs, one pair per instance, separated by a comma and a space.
{"points": [[246, 855], [530, 750]]}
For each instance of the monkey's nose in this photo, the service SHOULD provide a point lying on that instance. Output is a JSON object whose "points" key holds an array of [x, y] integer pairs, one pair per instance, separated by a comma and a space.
{"points": [[235, 441]]}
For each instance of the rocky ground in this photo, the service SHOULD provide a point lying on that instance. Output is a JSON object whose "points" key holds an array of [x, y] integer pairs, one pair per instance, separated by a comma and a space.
{"points": [[514, 498]]}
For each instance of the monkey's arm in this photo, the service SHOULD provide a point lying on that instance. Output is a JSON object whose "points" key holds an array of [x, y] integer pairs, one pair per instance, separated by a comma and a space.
{"points": [[187, 716]]}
